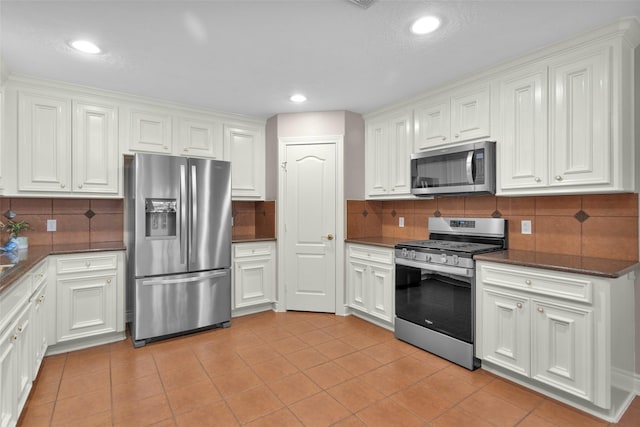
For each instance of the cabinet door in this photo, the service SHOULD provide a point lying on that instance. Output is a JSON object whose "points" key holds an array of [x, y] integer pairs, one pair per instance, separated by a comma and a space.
{"points": [[506, 330], [470, 115], [244, 147], [95, 148], [381, 291], [8, 378], [200, 137], [1, 139], [580, 126], [357, 284], [377, 158], [399, 149], [563, 348], [39, 333], [432, 125], [254, 281], [150, 130], [44, 143], [24, 356], [524, 162], [86, 306]]}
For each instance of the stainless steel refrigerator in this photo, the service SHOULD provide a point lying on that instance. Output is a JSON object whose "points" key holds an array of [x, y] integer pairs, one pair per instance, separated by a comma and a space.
{"points": [[178, 235]]}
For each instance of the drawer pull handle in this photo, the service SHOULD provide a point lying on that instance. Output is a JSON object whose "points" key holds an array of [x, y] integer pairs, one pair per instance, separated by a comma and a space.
{"points": [[528, 282], [108, 281], [519, 305], [14, 338], [41, 299], [541, 310]]}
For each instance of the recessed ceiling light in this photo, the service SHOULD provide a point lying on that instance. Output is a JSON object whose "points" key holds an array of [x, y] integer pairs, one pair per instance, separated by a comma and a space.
{"points": [[298, 98], [85, 46], [425, 25]]}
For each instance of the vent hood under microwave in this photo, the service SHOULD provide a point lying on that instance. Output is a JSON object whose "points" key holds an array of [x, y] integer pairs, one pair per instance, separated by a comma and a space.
{"points": [[460, 170]]}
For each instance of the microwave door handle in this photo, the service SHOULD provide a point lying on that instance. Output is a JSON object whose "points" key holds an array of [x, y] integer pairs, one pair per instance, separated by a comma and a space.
{"points": [[470, 155]]}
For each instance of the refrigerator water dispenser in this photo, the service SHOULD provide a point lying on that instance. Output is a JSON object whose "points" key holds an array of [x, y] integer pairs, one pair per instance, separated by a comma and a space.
{"points": [[160, 217]]}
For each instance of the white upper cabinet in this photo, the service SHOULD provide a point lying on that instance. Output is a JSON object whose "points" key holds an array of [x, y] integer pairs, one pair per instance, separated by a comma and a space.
{"points": [[148, 129], [580, 118], [387, 156], [200, 137], [1, 139], [244, 146], [94, 148], [565, 124], [462, 115], [66, 146], [523, 115], [44, 142]]}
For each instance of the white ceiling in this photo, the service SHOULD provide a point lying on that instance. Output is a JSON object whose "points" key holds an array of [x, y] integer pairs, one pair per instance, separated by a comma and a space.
{"points": [[249, 56]]}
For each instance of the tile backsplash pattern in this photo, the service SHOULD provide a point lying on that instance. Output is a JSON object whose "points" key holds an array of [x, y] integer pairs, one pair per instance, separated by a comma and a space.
{"points": [[73, 223], [253, 219], [601, 226]]}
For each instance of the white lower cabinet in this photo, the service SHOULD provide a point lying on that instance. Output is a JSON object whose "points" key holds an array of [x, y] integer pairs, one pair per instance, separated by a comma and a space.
{"points": [[90, 297], [370, 281], [21, 326], [254, 274], [558, 332]]}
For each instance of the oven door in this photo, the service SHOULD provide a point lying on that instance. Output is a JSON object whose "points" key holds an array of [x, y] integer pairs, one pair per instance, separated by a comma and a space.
{"points": [[440, 298]]}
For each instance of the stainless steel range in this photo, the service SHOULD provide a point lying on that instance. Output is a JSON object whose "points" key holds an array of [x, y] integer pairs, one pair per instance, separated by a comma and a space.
{"points": [[435, 285]]}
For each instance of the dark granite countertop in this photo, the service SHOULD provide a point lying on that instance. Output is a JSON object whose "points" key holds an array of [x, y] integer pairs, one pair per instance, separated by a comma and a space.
{"points": [[28, 258], [568, 263], [245, 239], [387, 242]]}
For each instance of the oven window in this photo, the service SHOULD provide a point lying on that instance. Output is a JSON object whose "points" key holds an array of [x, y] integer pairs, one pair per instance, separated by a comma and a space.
{"points": [[435, 301]]}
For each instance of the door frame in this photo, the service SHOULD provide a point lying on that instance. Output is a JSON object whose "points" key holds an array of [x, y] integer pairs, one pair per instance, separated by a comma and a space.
{"points": [[338, 142]]}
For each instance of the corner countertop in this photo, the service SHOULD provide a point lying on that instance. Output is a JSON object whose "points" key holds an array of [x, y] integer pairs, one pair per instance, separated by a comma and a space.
{"points": [[387, 242], [27, 258], [245, 239], [600, 267]]}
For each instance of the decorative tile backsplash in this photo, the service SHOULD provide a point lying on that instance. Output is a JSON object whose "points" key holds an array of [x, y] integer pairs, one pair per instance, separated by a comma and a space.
{"points": [[602, 226], [77, 220]]}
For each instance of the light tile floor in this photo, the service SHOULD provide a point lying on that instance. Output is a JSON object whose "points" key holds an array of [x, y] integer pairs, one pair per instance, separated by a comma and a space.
{"points": [[283, 369]]}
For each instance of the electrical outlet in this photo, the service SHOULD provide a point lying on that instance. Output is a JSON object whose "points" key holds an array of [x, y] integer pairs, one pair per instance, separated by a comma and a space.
{"points": [[51, 225], [525, 226], [401, 221]]}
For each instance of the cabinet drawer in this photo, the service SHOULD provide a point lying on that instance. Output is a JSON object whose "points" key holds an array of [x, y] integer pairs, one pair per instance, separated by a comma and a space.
{"points": [[13, 299], [243, 251], [77, 264], [369, 253], [556, 285], [39, 274]]}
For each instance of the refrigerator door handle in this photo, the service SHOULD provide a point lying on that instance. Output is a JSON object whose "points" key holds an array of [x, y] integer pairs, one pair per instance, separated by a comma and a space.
{"points": [[183, 214], [152, 282], [194, 209]]}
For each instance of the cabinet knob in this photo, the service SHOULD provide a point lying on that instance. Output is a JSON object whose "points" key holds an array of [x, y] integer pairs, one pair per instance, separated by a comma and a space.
{"points": [[87, 264], [519, 305], [537, 179], [13, 338], [457, 135], [393, 189], [61, 185], [79, 185], [540, 309], [186, 150], [108, 281], [20, 329], [165, 147], [528, 282], [41, 299], [558, 178], [444, 138]]}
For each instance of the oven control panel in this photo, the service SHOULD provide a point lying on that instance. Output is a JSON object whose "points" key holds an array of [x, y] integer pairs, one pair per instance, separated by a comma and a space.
{"points": [[434, 258]]}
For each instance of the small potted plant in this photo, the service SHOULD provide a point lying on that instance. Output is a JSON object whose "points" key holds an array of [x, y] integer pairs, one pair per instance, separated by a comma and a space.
{"points": [[14, 228]]}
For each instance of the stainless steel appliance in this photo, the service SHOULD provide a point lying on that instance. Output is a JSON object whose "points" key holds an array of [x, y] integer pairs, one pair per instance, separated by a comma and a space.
{"points": [[178, 235], [463, 169], [435, 285]]}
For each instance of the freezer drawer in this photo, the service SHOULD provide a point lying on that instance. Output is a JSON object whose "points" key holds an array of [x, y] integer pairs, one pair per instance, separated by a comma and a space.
{"points": [[178, 303]]}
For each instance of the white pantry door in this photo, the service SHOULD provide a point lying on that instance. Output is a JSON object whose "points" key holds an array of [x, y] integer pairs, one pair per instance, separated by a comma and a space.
{"points": [[310, 220]]}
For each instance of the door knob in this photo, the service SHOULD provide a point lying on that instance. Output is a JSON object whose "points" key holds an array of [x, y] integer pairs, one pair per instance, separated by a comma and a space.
{"points": [[329, 236]]}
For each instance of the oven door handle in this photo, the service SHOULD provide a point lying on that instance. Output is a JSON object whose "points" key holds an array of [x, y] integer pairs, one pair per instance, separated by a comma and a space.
{"points": [[460, 271]]}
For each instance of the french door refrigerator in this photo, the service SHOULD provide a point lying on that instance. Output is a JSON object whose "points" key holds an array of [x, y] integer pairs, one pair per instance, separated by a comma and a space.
{"points": [[178, 234]]}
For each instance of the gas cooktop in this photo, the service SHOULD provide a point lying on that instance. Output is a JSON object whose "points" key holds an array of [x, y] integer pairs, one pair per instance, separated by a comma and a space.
{"points": [[449, 246]]}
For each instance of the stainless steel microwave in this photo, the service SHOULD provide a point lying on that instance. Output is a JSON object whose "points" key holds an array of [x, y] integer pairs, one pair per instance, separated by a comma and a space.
{"points": [[460, 170]]}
